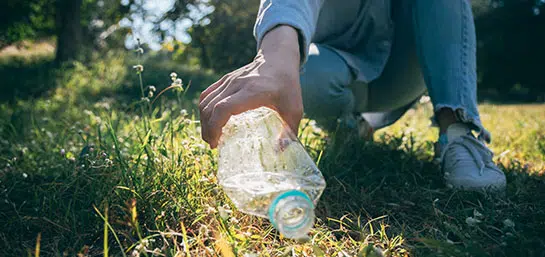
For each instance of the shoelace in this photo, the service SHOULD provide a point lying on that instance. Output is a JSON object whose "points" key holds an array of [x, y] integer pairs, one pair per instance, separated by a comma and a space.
{"points": [[470, 148]]}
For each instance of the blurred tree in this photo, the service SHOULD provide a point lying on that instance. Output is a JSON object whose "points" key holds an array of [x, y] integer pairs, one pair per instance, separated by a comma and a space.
{"points": [[69, 30], [24, 19], [224, 38], [76, 24], [220, 31]]}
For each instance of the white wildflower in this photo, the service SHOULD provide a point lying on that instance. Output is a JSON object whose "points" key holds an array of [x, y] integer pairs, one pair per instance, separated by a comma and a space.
{"points": [[224, 213], [145, 242], [139, 247], [508, 223], [139, 68], [472, 221], [135, 253], [477, 214], [203, 230]]}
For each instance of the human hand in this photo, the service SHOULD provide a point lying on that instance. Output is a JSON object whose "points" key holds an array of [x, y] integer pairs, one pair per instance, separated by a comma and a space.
{"points": [[271, 80]]}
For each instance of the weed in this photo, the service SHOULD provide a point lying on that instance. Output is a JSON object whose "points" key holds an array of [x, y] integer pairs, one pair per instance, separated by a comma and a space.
{"points": [[90, 174]]}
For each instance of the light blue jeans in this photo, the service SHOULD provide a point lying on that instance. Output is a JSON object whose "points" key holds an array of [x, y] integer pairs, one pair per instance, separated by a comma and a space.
{"points": [[434, 50]]}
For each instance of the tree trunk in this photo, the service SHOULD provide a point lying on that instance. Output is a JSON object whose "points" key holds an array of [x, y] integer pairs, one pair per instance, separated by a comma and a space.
{"points": [[69, 30]]}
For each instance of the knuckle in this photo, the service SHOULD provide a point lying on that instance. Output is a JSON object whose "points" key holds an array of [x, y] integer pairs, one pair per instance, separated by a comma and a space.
{"points": [[226, 76], [204, 114], [221, 107], [205, 120]]}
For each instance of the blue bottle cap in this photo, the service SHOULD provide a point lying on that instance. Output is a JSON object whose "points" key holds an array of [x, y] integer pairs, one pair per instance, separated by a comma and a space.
{"points": [[285, 195]]}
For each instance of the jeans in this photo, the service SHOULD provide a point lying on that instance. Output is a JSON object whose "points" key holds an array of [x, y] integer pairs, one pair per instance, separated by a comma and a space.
{"points": [[434, 50]]}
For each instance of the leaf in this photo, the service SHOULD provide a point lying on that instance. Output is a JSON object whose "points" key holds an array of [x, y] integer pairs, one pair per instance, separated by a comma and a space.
{"points": [[163, 151], [318, 251]]}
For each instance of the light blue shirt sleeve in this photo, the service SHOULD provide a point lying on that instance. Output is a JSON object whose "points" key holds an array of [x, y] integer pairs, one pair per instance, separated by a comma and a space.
{"points": [[299, 14]]}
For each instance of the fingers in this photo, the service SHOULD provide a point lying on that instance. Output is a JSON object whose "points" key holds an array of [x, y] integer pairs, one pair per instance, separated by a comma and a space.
{"points": [[248, 88], [225, 88], [213, 87], [210, 93], [222, 111], [208, 105]]}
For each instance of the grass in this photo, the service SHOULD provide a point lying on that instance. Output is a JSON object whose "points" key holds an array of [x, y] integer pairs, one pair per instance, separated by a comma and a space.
{"points": [[84, 172]]}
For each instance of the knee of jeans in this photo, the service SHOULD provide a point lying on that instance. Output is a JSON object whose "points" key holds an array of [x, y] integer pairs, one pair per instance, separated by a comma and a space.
{"points": [[325, 99], [323, 96], [324, 84], [325, 67]]}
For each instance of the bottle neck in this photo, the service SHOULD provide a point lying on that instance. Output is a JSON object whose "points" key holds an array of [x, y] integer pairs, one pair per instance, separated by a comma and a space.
{"points": [[292, 214]]}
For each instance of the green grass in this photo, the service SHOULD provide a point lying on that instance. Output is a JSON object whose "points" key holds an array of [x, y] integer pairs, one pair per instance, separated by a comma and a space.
{"points": [[81, 174]]}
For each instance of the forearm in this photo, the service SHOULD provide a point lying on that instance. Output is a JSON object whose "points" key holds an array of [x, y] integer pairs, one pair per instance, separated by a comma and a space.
{"points": [[280, 47], [301, 15]]}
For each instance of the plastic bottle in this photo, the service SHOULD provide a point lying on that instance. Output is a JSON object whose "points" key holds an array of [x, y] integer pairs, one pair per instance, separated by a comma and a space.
{"points": [[266, 172]]}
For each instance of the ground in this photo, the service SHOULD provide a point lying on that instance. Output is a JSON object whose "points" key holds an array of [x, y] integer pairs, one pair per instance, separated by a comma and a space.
{"points": [[87, 170]]}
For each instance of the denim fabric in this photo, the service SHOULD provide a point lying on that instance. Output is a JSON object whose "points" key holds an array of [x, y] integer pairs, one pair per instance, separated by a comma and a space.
{"points": [[434, 41], [360, 31]]}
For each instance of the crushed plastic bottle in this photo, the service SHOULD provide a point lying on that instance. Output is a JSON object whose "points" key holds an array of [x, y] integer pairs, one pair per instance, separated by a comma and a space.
{"points": [[265, 171]]}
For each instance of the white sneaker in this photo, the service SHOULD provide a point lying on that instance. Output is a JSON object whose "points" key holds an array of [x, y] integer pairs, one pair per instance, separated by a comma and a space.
{"points": [[467, 163]]}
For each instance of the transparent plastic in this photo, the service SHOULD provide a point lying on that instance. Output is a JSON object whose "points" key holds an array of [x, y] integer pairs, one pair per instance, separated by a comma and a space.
{"points": [[265, 171]]}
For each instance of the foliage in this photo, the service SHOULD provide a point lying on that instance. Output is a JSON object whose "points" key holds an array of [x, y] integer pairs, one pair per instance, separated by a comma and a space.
{"points": [[99, 79], [101, 76], [225, 41], [77, 25], [221, 32], [221, 35], [31, 61], [89, 172], [25, 19]]}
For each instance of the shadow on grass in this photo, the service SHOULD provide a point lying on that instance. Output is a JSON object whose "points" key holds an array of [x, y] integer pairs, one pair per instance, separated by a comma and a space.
{"points": [[21, 80], [397, 187]]}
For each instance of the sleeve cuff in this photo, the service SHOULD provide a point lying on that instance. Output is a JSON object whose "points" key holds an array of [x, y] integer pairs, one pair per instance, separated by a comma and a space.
{"points": [[283, 16]]}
